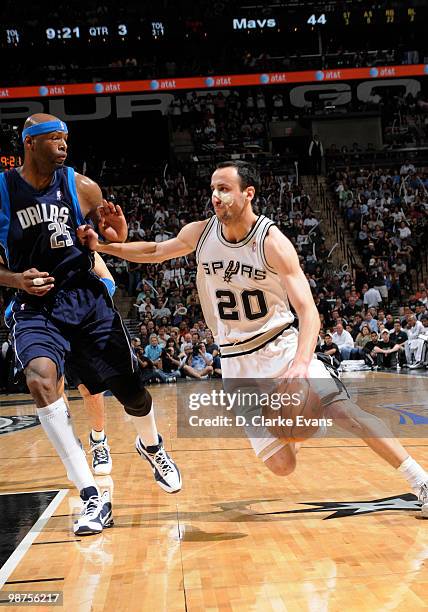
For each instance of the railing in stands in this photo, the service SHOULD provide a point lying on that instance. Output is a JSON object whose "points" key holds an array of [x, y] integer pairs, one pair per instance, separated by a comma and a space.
{"points": [[331, 214]]}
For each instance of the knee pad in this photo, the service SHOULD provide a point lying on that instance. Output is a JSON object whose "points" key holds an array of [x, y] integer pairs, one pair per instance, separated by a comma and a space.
{"points": [[130, 392], [139, 405]]}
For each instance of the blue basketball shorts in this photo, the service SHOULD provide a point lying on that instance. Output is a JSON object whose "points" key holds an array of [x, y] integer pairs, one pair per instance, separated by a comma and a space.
{"points": [[78, 323]]}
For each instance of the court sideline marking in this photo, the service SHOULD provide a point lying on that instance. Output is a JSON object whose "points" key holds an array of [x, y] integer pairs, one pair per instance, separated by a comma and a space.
{"points": [[24, 545]]}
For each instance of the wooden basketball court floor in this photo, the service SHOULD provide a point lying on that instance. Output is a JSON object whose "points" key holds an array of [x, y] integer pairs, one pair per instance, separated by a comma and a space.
{"points": [[236, 537]]}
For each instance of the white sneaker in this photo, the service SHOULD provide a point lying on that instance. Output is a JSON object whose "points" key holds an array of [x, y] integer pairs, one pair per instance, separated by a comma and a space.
{"points": [[102, 463], [423, 498], [166, 473], [416, 366], [96, 514]]}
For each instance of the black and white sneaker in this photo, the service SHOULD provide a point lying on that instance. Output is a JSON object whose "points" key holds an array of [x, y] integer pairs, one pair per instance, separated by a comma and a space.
{"points": [[96, 514], [101, 459], [166, 473]]}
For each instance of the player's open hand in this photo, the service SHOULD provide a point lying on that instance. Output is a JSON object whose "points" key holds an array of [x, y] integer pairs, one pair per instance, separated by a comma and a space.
{"points": [[297, 370], [112, 223], [36, 283], [88, 237]]}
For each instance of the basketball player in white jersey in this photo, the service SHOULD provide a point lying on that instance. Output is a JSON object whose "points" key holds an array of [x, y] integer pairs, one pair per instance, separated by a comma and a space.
{"points": [[247, 272]]}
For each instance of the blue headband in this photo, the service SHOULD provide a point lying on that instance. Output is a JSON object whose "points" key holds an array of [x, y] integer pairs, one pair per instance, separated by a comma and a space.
{"points": [[45, 128]]}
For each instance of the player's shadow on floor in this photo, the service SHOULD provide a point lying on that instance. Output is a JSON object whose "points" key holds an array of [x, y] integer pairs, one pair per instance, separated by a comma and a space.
{"points": [[189, 533]]}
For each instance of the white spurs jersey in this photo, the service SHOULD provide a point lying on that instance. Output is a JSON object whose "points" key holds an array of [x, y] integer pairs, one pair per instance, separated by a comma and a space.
{"points": [[243, 301]]}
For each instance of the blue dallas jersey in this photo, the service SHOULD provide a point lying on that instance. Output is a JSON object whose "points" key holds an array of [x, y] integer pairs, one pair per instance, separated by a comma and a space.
{"points": [[38, 228]]}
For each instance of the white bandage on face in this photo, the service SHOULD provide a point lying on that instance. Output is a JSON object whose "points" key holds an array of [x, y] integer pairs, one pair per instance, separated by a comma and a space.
{"points": [[225, 198]]}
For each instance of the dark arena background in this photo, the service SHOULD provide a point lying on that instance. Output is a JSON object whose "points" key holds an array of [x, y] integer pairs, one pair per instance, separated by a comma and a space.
{"points": [[329, 101]]}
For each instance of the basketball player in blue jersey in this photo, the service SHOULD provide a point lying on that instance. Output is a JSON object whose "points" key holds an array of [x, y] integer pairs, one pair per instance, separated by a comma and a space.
{"points": [[247, 272], [62, 308], [94, 404]]}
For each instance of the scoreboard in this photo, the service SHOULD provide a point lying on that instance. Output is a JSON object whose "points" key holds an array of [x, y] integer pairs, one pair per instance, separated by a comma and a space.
{"points": [[249, 20]]}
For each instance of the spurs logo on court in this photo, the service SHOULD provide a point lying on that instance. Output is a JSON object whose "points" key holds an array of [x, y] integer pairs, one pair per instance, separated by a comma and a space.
{"points": [[406, 502], [406, 416], [9, 424], [232, 268]]}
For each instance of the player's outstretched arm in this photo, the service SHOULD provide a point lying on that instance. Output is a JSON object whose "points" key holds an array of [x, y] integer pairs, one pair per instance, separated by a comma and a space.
{"points": [[107, 216], [282, 257], [147, 252]]}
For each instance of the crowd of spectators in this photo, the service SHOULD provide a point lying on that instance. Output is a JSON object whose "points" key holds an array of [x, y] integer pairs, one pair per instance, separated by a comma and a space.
{"points": [[240, 119], [374, 335], [234, 119], [386, 212]]}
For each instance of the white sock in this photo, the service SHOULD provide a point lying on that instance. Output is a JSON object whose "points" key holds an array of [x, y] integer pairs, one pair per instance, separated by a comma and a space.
{"points": [[57, 424], [98, 436], [146, 427], [413, 472]]}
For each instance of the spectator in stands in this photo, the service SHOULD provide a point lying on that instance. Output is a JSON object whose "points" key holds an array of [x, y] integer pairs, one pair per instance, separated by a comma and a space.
{"points": [[187, 363], [357, 324], [344, 341], [414, 345], [372, 297], [331, 349], [389, 322], [170, 363], [153, 351], [386, 351], [136, 343], [363, 337], [186, 340], [150, 372], [144, 336], [147, 368], [371, 322], [369, 349], [195, 336], [316, 154], [420, 310], [398, 336], [202, 360], [424, 336], [351, 308], [163, 337], [161, 309], [211, 346], [407, 168]]}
